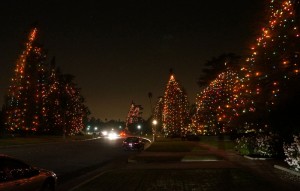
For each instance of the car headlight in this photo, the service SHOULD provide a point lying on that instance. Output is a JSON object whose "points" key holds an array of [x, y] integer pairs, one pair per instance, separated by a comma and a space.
{"points": [[112, 135]]}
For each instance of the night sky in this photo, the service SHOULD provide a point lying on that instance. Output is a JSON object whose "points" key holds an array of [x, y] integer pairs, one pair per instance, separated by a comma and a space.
{"points": [[121, 50]]}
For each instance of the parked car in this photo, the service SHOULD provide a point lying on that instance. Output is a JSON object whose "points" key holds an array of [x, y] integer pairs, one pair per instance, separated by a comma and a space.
{"points": [[16, 175], [133, 143]]}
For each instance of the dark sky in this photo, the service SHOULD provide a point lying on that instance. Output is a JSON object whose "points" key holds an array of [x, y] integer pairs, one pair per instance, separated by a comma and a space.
{"points": [[121, 50]]}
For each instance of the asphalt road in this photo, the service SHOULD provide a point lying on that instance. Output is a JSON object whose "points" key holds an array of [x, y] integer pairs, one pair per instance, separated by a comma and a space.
{"points": [[70, 160]]}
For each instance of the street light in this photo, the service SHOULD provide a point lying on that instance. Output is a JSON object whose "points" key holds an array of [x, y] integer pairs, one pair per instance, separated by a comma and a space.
{"points": [[88, 129], [139, 128], [95, 131], [154, 123]]}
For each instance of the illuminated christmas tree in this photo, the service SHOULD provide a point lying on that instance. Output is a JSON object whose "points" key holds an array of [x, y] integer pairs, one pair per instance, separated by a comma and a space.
{"points": [[72, 107], [55, 121], [175, 109], [134, 117], [25, 106], [204, 121], [40, 100], [65, 107], [271, 73], [270, 77], [217, 105]]}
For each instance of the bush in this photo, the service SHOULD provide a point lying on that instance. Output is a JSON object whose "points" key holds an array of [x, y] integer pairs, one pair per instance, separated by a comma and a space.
{"points": [[265, 145], [245, 145], [292, 153]]}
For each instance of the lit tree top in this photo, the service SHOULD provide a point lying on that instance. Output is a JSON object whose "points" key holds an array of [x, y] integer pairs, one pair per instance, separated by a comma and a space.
{"points": [[21, 62]]}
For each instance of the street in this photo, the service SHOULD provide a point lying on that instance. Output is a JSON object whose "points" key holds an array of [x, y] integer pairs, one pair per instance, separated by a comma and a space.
{"points": [[69, 160]]}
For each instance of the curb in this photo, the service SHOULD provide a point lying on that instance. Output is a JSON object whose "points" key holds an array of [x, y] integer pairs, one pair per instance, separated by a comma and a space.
{"points": [[256, 158], [287, 170]]}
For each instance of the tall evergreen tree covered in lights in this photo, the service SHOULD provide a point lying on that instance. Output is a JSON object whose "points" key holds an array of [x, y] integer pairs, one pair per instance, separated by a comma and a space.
{"points": [[217, 104], [72, 108], [271, 73], [55, 121], [25, 104], [40, 99], [65, 109], [175, 109], [265, 88]]}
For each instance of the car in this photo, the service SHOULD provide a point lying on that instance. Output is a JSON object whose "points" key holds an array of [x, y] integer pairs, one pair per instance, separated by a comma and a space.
{"points": [[17, 175], [133, 143]]}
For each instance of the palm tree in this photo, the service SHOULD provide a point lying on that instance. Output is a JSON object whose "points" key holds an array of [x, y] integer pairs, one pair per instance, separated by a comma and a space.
{"points": [[150, 99]]}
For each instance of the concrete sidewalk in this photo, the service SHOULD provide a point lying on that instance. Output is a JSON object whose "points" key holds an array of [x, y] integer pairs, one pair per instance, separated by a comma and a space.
{"points": [[204, 168]]}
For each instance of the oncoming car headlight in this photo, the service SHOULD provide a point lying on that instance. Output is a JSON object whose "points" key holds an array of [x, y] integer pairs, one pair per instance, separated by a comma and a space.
{"points": [[112, 135], [104, 133]]}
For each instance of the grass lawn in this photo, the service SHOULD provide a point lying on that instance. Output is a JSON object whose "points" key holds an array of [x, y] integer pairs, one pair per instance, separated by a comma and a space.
{"points": [[177, 145], [225, 145], [172, 146]]}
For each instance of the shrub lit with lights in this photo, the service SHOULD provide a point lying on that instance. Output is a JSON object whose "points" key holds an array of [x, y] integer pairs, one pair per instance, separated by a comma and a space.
{"points": [[292, 153], [258, 145]]}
